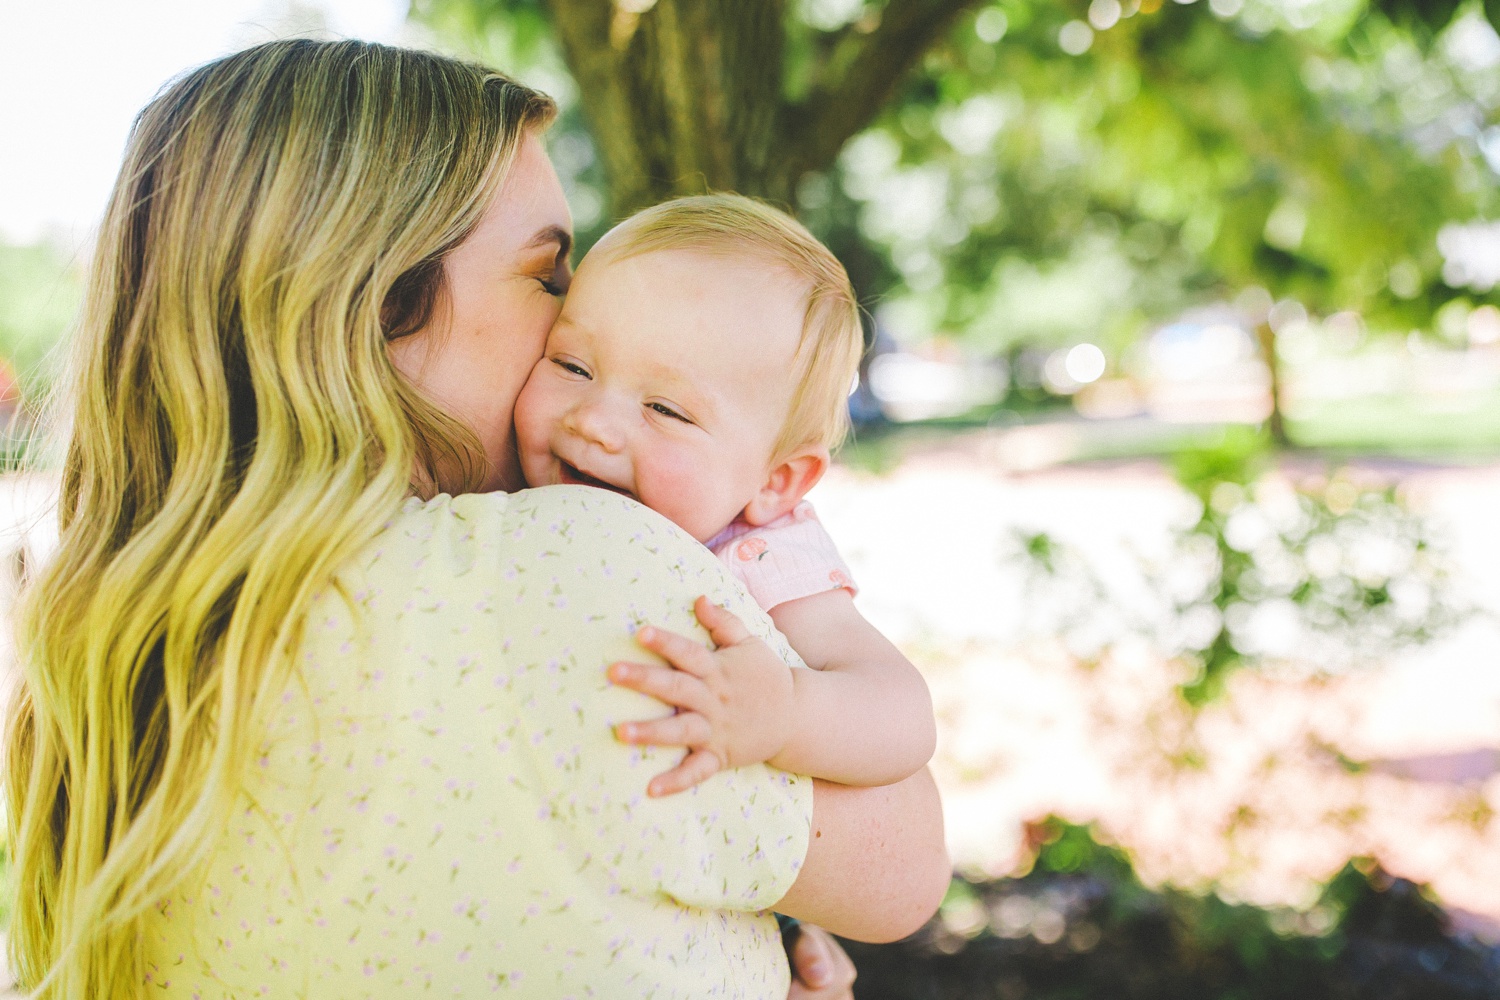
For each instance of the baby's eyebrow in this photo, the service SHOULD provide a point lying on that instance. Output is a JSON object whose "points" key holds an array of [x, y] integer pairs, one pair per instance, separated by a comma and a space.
{"points": [[682, 386], [564, 319]]}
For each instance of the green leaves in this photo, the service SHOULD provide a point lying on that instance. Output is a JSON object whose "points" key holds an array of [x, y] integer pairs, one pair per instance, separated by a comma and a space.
{"points": [[1268, 158], [1425, 17], [1011, 192]]}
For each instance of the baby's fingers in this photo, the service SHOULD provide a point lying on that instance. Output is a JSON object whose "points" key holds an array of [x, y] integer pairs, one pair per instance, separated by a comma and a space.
{"points": [[685, 729], [676, 688], [698, 766], [724, 627], [680, 651]]}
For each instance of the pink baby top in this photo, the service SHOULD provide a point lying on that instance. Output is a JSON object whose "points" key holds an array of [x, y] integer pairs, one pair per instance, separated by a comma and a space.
{"points": [[783, 560]]}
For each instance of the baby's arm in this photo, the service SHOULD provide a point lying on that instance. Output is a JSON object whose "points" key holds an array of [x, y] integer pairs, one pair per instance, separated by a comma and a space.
{"points": [[861, 717]]}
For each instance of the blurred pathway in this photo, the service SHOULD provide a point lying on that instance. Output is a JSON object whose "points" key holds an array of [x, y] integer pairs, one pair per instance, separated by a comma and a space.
{"points": [[1275, 787]]}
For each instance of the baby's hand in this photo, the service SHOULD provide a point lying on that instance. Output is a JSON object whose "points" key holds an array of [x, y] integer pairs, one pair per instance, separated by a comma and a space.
{"points": [[734, 703]]}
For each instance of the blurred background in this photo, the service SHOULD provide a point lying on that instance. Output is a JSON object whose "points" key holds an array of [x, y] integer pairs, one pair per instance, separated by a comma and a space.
{"points": [[1177, 460]]}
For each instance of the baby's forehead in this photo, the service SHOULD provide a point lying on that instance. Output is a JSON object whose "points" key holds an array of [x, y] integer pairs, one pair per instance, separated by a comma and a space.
{"points": [[709, 320], [717, 357], [736, 286], [722, 257]]}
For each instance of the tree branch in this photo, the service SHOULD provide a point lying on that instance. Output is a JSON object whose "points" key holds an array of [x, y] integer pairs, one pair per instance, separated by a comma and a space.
{"points": [[837, 110]]}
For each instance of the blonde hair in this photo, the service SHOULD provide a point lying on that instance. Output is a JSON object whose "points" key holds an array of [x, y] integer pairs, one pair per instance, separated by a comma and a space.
{"points": [[832, 340], [238, 432]]}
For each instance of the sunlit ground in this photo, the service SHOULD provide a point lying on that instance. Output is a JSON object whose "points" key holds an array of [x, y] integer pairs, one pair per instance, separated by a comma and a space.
{"points": [[1270, 790]]}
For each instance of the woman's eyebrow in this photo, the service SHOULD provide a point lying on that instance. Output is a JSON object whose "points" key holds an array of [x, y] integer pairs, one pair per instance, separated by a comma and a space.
{"points": [[551, 234]]}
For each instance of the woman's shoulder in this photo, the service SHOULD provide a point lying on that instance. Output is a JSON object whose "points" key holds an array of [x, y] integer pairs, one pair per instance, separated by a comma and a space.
{"points": [[563, 510], [573, 545], [560, 524], [558, 510], [448, 747]]}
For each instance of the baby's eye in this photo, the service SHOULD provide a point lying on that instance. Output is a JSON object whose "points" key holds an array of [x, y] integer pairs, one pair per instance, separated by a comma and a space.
{"points": [[573, 368], [667, 411]]}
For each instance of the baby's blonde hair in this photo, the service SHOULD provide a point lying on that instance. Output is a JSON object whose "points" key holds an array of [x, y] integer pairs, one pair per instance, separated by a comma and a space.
{"points": [[832, 339]]}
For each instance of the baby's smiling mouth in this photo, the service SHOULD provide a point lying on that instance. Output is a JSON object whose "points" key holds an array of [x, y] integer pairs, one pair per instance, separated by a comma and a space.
{"points": [[571, 475]]}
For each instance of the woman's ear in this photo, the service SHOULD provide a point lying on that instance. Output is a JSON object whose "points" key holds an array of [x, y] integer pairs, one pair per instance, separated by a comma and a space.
{"points": [[786, 485]]}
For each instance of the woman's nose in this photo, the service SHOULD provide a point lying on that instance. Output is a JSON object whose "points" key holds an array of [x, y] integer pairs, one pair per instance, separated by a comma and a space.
{"points": [[593, 422]]}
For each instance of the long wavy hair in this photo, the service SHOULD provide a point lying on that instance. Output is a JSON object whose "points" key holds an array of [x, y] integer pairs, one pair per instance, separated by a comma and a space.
{"points": [[236, 432]]}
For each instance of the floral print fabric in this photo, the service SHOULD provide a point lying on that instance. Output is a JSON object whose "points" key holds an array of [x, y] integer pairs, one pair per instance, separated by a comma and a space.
{"points": [[441, 809]]}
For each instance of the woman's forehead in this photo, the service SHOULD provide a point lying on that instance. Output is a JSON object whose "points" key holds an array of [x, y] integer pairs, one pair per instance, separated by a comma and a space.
{"points": [[530, 208]]}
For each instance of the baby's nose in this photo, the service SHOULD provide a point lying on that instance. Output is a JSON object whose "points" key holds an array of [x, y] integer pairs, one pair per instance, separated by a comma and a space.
{"points": [[594, 423]]}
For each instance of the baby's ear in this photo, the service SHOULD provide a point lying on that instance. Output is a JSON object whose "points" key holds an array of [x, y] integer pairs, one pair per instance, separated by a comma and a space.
{"points": [[786, 485]]}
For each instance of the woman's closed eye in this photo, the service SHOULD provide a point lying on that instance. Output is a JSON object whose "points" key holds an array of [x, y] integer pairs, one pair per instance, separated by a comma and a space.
{"points": [[556, 279]]}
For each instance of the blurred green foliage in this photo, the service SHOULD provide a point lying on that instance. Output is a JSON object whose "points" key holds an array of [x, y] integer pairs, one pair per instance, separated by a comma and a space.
{"points": [[40, 290], [39, 294], [1182, 157], [1058, 171], [1400, 426], [1050, 172], [1328, 574], [1340, 569], [1079, 924]]}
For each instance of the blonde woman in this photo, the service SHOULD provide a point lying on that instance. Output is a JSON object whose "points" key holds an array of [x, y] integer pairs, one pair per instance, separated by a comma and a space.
{"points": [[310, 708]]}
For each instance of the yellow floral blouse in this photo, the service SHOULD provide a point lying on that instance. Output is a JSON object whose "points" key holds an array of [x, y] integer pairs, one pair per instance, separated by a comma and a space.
{"points": [[441, 808]]}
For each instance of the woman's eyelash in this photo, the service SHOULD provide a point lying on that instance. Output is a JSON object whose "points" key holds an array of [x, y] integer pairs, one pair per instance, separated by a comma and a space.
{"points": [[550, 287], [667, 411]]}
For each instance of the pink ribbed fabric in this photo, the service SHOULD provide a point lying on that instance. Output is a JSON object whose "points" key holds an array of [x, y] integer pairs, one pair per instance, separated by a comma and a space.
{"points": [[788, 558]]}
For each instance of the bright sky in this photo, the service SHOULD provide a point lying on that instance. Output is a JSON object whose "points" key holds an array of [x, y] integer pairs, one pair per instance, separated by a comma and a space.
{"points": [[73, 74]]}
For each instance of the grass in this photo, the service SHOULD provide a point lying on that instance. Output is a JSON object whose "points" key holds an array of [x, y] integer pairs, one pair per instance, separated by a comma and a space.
{"points": [[1465, 430]]}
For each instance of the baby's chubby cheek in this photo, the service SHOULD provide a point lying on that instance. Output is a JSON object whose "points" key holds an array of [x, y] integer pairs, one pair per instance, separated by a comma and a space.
{"points": [[534, 425], [690, 491]]}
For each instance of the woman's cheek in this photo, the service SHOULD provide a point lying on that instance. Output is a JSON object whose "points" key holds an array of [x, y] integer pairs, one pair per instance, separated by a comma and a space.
{"points": [[514, 347]]}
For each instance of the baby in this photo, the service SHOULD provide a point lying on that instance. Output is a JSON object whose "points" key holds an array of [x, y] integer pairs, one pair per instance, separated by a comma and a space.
{"points": [[701, 365]]}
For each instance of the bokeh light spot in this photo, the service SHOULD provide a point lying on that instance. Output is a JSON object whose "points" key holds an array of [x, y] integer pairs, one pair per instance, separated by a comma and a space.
{"points": [[1075, 38], [991, 25], [1085, 364]]}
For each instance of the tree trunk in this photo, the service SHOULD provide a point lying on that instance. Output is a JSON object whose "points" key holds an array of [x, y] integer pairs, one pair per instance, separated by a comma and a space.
{"points": [[1277, 423], [682, 96], [685, 96]]}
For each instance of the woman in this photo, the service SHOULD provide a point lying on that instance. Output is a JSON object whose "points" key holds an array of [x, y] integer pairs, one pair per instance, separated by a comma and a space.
{"points": [[308, 710]]}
